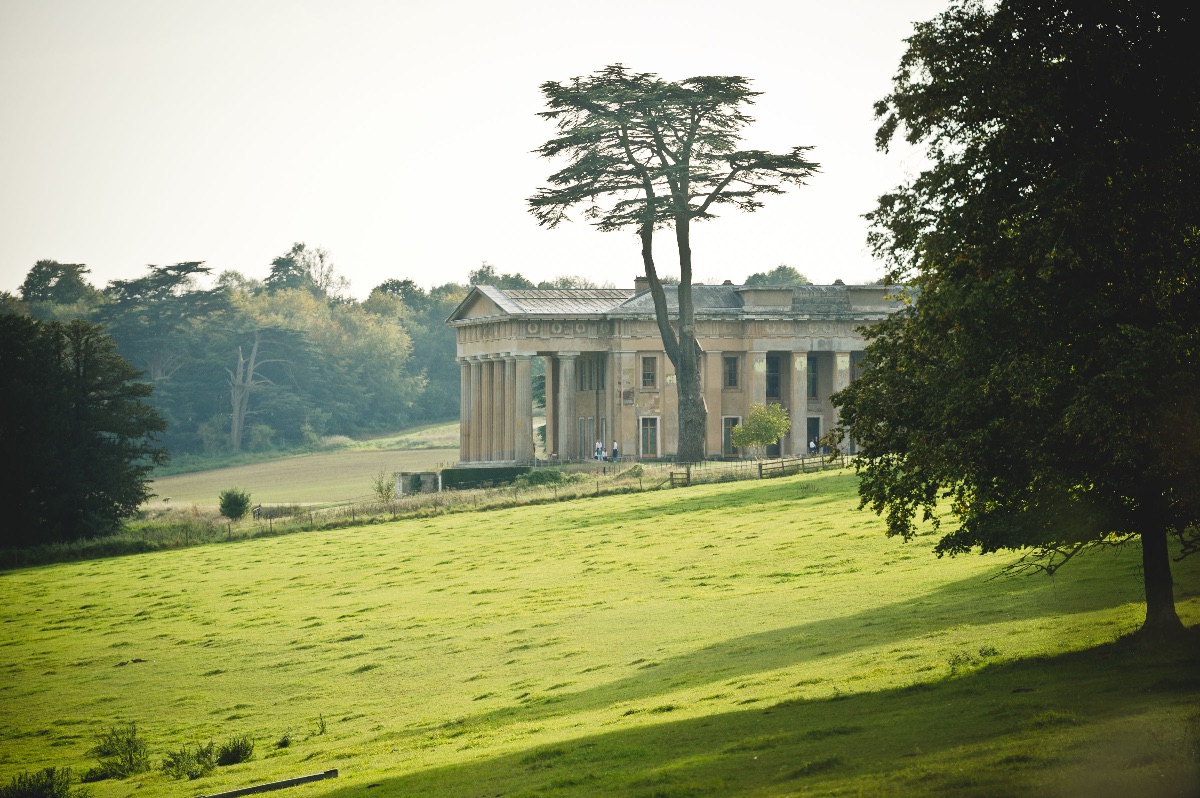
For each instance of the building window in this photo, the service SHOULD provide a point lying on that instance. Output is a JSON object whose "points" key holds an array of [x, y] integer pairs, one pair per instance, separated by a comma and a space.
{"points": [[649, 437], [649, 372], [727, 425], [812, 377], [731, 372], [774, 383]]}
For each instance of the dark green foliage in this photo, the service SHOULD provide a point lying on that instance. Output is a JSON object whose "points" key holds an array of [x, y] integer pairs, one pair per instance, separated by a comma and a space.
{"points": [[541, 476], [647, 154], [191, 763], [234, 503], [780, 275], [486, 274], [1046, 377], [77, 424], [48, 783], [476, 477], [235, 750], [121, 753]]}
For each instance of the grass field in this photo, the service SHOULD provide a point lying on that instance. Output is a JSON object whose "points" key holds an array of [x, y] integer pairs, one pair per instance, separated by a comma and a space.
{"points": [[753, 638], [340, 475]]}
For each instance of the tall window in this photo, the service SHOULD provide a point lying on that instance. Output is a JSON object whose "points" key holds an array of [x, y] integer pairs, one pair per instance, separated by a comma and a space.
{"points": [[727, 425], [812, 377], [649, 436], [774, 383], [731, 372], [649, 372]]}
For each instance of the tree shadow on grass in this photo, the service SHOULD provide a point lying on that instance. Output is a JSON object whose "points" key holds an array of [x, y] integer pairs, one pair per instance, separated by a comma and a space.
{"points": [[1102, 722], [970, 601]]}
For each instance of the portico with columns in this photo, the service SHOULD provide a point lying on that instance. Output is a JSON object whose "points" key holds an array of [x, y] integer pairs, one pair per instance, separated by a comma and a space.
{"points": [[608, 378]]}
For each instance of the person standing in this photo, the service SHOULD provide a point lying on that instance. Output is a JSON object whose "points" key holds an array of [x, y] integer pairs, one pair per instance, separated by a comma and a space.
{"points": [[614, 453]]}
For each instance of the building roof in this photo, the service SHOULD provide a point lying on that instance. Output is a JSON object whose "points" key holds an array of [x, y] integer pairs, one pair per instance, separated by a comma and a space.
{"points": [[710, 301]]}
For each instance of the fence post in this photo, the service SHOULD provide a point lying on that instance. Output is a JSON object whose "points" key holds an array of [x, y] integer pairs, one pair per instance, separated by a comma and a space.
{"points": [[760, 469]]}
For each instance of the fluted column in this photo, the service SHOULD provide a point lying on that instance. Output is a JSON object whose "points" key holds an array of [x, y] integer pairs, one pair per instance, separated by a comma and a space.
{"points": [[510, 409], [522, 409], [476, 425], [551, 407], [487, 410], [798, 404], [568, 426], [464, 409], [841, 379], [499, 411]]}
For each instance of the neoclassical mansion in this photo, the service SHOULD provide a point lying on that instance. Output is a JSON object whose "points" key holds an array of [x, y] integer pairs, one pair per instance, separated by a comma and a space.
{"points": [[608, 377]]}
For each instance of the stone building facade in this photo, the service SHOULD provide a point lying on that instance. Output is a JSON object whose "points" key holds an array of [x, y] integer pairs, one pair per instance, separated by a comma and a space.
{"points": [[608, 377]]}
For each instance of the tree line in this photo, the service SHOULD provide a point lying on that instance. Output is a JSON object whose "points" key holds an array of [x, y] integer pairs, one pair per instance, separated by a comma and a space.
{"points": [[282, 362]]}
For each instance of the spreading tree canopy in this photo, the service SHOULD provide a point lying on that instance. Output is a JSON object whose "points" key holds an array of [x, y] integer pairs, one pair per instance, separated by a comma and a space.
{"points": [[1045, 377], [77, 430], [648, 154]]}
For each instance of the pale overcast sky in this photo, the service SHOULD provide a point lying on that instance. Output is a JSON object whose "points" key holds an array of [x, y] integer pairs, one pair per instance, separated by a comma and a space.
{"points": [[398, 135]]}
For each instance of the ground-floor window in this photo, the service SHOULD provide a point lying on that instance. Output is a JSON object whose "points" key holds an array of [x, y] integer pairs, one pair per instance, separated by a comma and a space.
{"points": [[727, 425], [649, 437]]}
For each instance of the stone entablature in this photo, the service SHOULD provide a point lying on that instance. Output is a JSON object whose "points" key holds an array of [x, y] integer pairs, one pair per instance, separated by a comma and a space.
{"points": [[608, 377]]}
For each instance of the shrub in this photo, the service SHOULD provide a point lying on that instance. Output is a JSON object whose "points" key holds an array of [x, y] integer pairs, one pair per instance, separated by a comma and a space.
{"points": [[191, 764], [120, 752], [285, 740], [384, 486], [541, 476], [48, 783], [235, 503], [235, 750]]}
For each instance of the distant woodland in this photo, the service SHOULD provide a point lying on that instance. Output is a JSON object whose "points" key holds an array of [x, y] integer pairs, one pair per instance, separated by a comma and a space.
{"points": [[238, 364]]}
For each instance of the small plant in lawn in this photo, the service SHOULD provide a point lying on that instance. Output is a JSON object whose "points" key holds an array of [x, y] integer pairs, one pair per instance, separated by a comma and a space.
{"points": [[48, 783], [320, 728], [285, 740], [191, 763], [235, 750], [235, 503], [120, 752]]}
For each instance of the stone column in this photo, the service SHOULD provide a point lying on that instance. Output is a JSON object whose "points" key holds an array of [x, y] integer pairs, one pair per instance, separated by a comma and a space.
{"points": [[510, 408], [714, 381], [568, 424], [522, 409], [551, 407], [798, 405], [488, 397], [756, 379], [476, 425], [841, 378], [464, 409], [499, 393]]}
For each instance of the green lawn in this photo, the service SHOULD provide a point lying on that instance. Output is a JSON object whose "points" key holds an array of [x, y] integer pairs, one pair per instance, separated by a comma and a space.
{"points": [[754, 638]]}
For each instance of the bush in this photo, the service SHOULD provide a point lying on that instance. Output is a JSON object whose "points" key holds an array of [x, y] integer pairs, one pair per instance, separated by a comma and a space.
{"points": [[542, 476], [190, 764], [48, 783], [384, 485], [235, 503], [120, 752], [235, 750]]}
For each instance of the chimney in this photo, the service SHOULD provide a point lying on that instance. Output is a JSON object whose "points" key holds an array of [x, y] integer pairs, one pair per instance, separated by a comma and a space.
{"points": [[641, 283]]}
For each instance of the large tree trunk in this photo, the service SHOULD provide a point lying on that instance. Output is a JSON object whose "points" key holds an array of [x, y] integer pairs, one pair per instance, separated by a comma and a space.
{"points": [[1161, 618], [693, 416]]}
